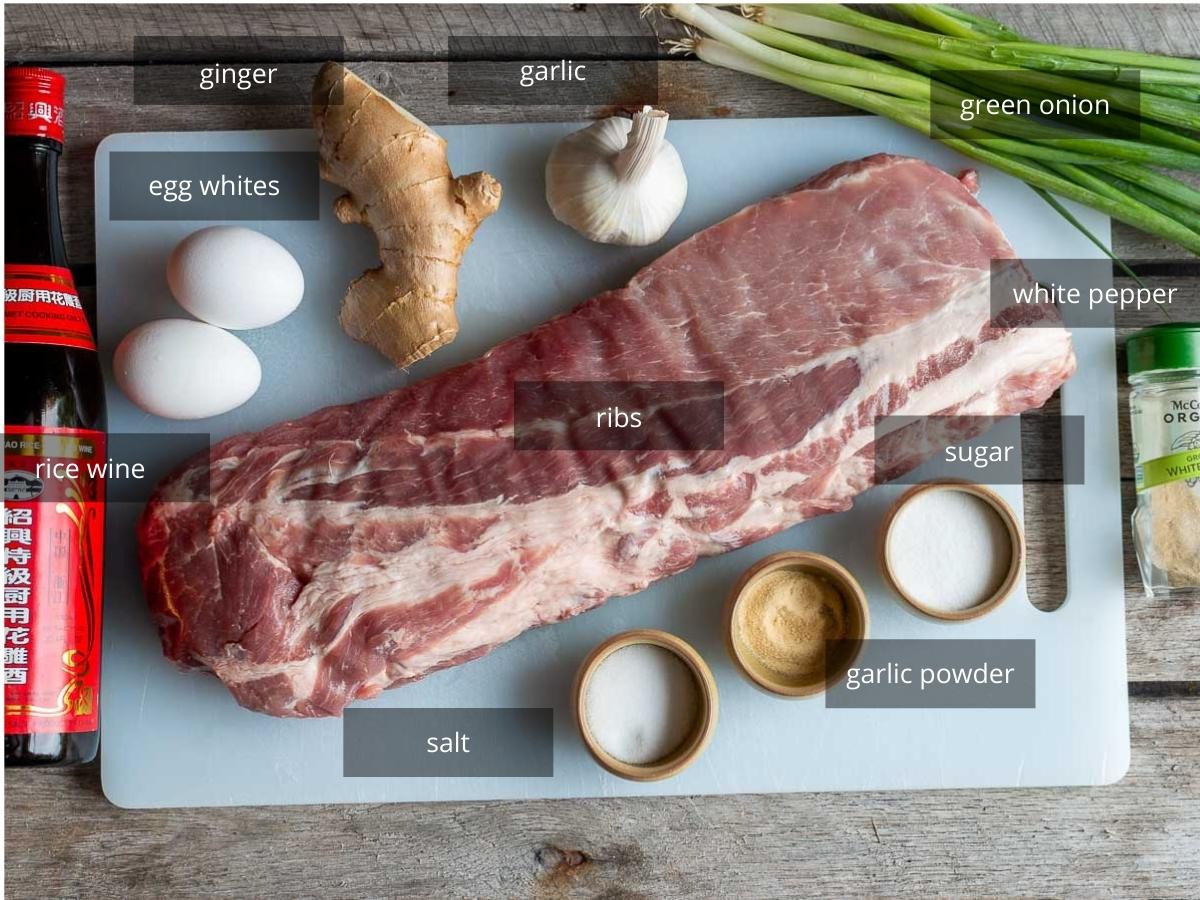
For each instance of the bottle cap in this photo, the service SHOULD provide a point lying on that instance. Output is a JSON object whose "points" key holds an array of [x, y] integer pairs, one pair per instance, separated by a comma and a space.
{"points": [[33, 102], [1174, 346]]}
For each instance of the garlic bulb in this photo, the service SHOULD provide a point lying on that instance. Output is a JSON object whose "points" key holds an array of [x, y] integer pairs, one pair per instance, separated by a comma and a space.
{"points": [[617, 181]]}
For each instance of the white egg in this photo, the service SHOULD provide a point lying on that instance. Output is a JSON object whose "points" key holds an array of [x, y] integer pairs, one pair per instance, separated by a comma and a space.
{"points": [[180, 369], [234, 277]]}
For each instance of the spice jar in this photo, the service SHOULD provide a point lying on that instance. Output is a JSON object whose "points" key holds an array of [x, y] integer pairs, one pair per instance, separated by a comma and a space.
{"points": [[1164, 373]]}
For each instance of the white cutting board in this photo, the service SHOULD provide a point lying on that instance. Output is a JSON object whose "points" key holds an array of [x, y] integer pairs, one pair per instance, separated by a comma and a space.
{"points": [[178, 739]]}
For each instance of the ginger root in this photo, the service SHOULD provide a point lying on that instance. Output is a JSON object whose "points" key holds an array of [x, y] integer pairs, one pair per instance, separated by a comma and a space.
{"points": [[394, 169]]}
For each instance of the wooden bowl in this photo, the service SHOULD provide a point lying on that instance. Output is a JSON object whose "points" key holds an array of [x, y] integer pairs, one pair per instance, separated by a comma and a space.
{"points": [[706, 719], [1007, 584], [858, 622]]}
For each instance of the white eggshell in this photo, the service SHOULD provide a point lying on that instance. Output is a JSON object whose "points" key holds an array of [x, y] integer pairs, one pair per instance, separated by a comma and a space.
{"points": [[234, 277], [180, 369]]}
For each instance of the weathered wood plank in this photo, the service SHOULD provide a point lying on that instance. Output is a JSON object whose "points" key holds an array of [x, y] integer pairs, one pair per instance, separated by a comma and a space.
{"points": [[104, 33], [55, 33], [1133, 839], [100, 102]]}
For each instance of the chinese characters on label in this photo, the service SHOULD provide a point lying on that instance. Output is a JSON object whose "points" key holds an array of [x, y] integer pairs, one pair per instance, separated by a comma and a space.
{"points": [[53, 552], [18, 539]]}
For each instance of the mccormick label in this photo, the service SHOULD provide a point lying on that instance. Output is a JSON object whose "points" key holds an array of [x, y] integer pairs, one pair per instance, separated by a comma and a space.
{"points": [[41, 306], [53, 560]]}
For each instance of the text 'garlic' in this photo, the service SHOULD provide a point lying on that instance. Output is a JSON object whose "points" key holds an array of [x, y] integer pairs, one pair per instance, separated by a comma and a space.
{"points": [[617, 181]]}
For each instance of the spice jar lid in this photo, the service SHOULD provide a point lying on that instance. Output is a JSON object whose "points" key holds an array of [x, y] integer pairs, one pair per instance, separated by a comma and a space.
{"points": [[1174, 346]]}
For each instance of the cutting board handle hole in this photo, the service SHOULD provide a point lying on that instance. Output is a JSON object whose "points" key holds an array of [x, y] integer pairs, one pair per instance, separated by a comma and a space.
{"points": [[1042, 473]]}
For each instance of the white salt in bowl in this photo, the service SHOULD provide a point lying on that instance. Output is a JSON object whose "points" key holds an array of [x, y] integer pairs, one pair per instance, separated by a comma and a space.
{"points": [[943, 548], [700, 732]]}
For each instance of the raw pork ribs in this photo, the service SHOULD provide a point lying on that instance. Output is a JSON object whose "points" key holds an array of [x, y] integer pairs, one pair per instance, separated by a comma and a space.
{"points": [[367, 545]]}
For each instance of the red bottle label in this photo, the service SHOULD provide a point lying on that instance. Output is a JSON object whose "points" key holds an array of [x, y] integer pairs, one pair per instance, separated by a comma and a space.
{"points": [[53, 565], [41, 306]]}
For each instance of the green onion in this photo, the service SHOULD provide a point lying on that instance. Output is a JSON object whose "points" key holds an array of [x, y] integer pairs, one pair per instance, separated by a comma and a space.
{"points": [[1116, 187], [942, 20], [895, 80], [1111, 163], [1066, 214], [1119, 124], [1163, 109], [1030, 55], [1129, 58], [958, 22], [1163, 185], [935, 16]]}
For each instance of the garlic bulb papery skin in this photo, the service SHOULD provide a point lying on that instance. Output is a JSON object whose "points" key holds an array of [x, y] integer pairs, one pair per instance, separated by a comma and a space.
{"points": [[618, 181]]}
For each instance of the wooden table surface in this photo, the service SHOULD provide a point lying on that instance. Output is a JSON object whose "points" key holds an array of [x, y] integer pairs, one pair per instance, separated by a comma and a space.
{"points": [[1140, 837]]}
